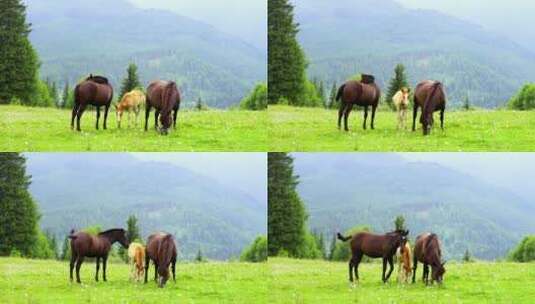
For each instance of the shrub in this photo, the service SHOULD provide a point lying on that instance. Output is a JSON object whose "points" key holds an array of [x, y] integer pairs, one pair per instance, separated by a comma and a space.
{"points": [[256, 252], [525, 99], [525, 251], [257, 99]]}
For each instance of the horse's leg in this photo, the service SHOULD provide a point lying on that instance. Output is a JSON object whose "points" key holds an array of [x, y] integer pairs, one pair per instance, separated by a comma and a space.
{"points": [[426, 273], [341, 111], [155, 271], [79, 262], [173, 268], [351, 265], [81, 109], [71, 265], [365, 117], [374, 108], [147, 264], [147, 113], [98, 266], [74, 111], [442, 118], [349, 107], [414, 114], [391, 264], [98, 115], [415, 265], [357, 263], [384, 269], [106, 109], [156, 114], [104, 264]]}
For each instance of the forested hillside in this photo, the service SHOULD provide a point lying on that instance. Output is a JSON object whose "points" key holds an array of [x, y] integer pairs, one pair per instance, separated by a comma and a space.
{"points": [[77, 190], [343, 191], [75, 38], [347, 37]]}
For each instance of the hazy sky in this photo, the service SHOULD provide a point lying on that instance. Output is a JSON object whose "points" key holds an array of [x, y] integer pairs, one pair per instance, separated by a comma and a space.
{"points": [[512, 171], [243, 171], [512, 18], [246, 19]]}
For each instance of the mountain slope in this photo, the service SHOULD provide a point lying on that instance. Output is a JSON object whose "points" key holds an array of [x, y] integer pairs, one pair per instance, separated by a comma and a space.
{"points": [[79, 190], [346, 37], [342, 191], [75, 39]]}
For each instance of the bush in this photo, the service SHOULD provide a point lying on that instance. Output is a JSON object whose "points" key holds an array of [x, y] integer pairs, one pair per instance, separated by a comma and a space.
{"points": [[525, 251], [342, 252], [309, 249], [257, 252], [257, 100], [311, 97], [42, 249], [525, 99]]}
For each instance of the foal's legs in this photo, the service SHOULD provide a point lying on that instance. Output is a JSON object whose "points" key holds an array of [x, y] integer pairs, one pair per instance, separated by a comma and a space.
{"points": [[79, 262], [98, 266], [147, 112], [365, 117], [80, 112], [104, 264], [374, 108], [414, 114], [98, 115], [349, 107], [106, 109]]}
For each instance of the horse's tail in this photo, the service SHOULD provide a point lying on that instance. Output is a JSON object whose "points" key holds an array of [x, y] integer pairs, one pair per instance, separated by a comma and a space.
{"points": [[340, 92], [77, 95], [343, 238]]}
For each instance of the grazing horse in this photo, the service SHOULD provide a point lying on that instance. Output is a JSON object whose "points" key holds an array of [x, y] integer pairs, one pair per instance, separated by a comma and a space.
{"points": [[164, 97], [431, 97], [427, 251], [375, 246], [136, 255], [86, 245], [401, 102], [96, 91], [161, 249], [361, 93], [403, 255], [131, 102]]}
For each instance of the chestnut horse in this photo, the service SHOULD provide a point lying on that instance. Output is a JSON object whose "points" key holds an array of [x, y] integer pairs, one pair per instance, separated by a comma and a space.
{"points": [[403, 255], [361, 93], [427, 251], [161, 249], [136, 255], [431, 97], [164, 97], [375, 246], [86, 245], [131, 102], [96, 91]]}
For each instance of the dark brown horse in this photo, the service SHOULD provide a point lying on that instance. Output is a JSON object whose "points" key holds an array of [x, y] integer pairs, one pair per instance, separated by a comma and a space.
{"points": [[86, 245], [427, 251], [375, 246], [164, 97], [431, 97], [161, 249], [361, 93], [96, 91]]}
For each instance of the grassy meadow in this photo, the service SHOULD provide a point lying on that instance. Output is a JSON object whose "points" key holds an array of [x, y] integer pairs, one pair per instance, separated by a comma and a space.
{"points": [[45, 129], [45, 281], [293, 129], [306, 281]]}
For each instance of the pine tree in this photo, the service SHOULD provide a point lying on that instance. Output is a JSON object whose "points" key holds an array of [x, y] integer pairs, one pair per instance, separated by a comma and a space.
{"points": [[67, 100], [66, 249], [332, 248], [399, 223], [467, 257], [199, 104], [54, 93], [333, 104], [286, 59], [19, 63], [132, 234], [131, 81], [396, 83], [18, 211], [466, 104], [199, 258], [286, 211]]}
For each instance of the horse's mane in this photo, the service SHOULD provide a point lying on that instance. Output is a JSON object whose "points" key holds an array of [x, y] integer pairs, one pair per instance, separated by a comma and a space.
{"points": [[166, 246], [97, 79], [111, 230], [367, 79]]}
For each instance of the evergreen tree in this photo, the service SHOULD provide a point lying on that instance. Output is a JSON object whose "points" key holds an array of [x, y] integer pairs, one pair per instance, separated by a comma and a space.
{"points": [[333, 104], [467, 257], [53, 244], [199, 257], [66, 249], [332, 248], [286, 59], [199, 104], [132, 234], [257, 252], [399, 223], [466, 104], [257, 99], [67, 100], [396, 83], [131, 81], [18, 211], [19, 63], [286, 212]]}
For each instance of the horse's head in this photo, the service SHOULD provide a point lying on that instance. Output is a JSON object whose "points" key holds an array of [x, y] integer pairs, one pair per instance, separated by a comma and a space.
{"points": [[399, 238], [405, 92], [438, 272], [165, 255], [166, 120]]}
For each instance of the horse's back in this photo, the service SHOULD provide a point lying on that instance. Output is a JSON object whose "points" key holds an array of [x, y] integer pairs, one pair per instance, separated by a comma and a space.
{"points": [[426, 87], [360, 93], [94, 93]]}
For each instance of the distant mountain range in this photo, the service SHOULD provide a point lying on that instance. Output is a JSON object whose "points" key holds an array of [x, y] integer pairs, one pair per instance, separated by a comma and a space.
{"points": [[75, 38], [346, 37], [345, 190], [80, 190]]}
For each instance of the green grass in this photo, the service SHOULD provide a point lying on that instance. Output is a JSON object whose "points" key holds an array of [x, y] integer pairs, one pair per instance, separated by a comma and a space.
{"points": [[300, 281], [294, 129], [35, 281], [44, 129]]}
